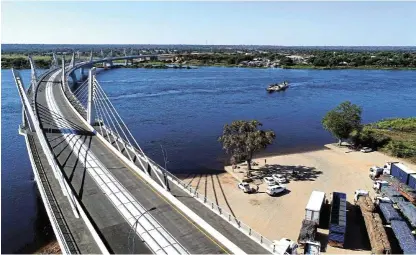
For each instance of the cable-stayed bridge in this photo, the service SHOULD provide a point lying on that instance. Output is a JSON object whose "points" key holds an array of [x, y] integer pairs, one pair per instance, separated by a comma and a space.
{"points": [[101, 192]]}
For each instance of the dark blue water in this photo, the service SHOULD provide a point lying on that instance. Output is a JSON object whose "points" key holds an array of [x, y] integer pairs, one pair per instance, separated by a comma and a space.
{"points": [[24, 223], [185, 111]]}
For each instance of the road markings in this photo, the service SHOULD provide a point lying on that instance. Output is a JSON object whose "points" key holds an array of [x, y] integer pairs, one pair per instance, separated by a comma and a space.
{"points": [[155, 236]]}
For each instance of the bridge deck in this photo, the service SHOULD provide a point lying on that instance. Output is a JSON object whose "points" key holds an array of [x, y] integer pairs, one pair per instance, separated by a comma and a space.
{"points": [[76, 234], [112, 226]]}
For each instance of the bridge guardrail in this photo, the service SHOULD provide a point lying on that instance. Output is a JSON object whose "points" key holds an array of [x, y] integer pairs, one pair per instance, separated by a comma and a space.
{"points": [[256, 236], [244, 228], [66, 190]]}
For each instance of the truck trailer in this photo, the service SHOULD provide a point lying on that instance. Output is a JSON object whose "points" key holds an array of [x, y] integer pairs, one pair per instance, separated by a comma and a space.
{"points": [[376, 233], [338, 220], [401, 172], [314, 206]]}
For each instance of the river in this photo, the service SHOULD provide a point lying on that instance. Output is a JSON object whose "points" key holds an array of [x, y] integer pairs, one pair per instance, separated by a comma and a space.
{"points": [[185, 109]]}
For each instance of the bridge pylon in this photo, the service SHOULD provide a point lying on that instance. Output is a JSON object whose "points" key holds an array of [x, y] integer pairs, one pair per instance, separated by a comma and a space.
{"points": [[125, 54], [54, 63], [33, 76], [91, 95], [72, 60], [63, 73], [91, 56]]}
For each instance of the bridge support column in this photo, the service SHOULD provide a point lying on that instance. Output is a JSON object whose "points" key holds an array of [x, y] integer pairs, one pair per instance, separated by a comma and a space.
{"points": [[90, 104], [33, 77], [63, 74], [74, 78], [82, 73], [24, 120]]}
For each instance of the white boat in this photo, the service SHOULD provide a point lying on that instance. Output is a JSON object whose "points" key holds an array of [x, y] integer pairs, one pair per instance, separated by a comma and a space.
{"points": [[278, 87]]}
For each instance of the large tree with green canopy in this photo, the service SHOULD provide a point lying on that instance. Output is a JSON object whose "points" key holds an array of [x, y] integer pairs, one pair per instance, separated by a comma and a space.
{"points": [[241, 139], [342, 120]]}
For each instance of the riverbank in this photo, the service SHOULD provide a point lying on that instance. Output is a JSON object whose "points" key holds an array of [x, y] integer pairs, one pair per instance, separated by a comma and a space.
{"points": [[328, 169], [347, 67]]}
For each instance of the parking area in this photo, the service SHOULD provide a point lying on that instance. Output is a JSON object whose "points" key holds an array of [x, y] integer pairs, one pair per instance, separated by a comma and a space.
{"points": [[331, 169]]}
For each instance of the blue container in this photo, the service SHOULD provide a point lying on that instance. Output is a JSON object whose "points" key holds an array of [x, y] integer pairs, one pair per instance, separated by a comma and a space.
{"points": [[389, 212], [405, 237], [395, 170], [333, 228], [412, 181], [336, 237]]}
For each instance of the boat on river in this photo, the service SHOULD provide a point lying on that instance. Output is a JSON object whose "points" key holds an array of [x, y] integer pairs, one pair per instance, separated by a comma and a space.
{"points": [[278, 87]]}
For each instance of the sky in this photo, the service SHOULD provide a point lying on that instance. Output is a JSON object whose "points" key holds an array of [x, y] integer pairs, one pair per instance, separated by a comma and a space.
{"points": [[236, 23]]}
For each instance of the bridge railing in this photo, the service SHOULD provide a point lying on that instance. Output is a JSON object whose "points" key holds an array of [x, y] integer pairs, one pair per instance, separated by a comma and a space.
{"points": [[124, 145], [58, 175], [213, 206]]}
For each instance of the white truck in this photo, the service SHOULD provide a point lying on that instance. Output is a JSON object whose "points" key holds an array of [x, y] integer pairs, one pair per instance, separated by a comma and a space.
{"points": [[312, 248], [285, 246], [376, 171], [314, 206]]}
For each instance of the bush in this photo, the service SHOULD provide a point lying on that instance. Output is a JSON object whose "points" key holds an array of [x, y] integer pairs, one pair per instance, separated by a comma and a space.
{"points": [[402, 149], [399, 124], [369, 138]]}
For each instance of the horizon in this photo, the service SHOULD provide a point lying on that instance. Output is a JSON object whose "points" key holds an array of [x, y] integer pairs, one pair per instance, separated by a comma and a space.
{"points": [[280, 24], [174, 44]]}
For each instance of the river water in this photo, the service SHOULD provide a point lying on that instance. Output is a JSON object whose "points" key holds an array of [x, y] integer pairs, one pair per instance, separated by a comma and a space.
{"points": [[185, 109]]}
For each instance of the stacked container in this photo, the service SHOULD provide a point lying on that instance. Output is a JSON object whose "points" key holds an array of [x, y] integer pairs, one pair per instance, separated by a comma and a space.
{"points": [[338, 220]]}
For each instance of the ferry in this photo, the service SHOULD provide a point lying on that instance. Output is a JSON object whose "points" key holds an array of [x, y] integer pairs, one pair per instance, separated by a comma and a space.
{"points": [[278, 87]]}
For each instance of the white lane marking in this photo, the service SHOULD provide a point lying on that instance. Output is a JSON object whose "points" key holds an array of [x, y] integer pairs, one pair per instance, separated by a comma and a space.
{"points": [[156, 237]]}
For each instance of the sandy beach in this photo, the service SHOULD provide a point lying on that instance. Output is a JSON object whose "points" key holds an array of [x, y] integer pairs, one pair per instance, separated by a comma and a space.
{"points": [[329, 169]]}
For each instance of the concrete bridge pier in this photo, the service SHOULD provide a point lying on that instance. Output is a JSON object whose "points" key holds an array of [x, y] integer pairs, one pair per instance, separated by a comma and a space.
{"points": [[74, 78], [82, 74]]}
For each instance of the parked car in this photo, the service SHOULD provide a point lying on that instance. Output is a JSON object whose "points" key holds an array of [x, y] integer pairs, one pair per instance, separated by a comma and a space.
{"points": [[366, 149], [275, 189], [279, 178], [269, 181], [244, 186]]}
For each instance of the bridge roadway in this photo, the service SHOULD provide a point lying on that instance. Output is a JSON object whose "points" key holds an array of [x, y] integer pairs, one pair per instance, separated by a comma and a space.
{"points": [[56, 117]]}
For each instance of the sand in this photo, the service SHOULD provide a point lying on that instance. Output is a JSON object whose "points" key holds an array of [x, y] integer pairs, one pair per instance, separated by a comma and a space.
{"points": [[329, 169]]}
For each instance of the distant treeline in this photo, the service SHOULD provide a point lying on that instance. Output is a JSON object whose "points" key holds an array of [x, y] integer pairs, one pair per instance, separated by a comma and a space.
{"points": [[355, 59], [315, 59], [312, 59], [23, 63]]}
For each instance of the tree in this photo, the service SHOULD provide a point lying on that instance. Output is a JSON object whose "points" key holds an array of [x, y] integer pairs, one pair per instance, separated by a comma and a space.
{"points": [[241, 139], [286, 61], [342, 120]]}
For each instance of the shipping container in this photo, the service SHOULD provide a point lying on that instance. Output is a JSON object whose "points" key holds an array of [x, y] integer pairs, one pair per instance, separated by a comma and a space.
{"points": [[389, 212], [338, 219], [404, 235], [314, 206], [412, 181], [401, 172]]}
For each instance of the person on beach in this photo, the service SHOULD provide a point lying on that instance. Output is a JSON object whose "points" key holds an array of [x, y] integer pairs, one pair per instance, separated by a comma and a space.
{"points": [[265, 161]]}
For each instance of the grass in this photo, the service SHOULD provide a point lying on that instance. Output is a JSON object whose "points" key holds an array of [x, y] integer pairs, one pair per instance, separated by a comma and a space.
{"points": [[35, 57], [347, 67], [402, 135]]}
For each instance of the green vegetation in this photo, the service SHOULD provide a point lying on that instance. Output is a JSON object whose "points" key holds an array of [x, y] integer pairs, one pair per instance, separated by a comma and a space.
{"points": [[20, 61], [363, 59], [343, 120], [241, 139], [396, 137]]}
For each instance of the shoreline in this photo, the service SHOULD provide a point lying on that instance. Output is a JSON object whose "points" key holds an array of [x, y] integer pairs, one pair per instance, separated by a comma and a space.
{"points": [[294, 67]]}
